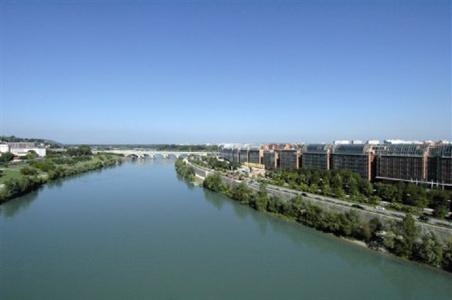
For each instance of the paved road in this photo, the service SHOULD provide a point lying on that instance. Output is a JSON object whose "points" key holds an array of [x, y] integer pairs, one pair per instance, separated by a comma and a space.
{"points": [[375, 210]]}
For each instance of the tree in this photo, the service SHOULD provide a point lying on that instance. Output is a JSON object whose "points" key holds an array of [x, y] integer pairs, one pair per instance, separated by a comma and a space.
{"points": [[32, 155], [184, 170], [369, 232], [365, 187], [447, 257], [440, 204], [79, 151], [261, 200], [336, 181], [241, 193], [214, 183], [339, 192], [29, 171], [292, 208], [407, 233], [429, 250], [273, 204], [351, 183], [6, 157], [415, 196]]}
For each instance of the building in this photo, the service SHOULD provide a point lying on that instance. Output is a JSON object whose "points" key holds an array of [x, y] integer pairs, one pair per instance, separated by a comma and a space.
{"points": [[243, 156], [22, 148], [402, 162], [270, 159], [226, 153], [440, 165], [236, 155], [4, 148], [289, 159], [316, 156], [358, 158], [255, 156]]}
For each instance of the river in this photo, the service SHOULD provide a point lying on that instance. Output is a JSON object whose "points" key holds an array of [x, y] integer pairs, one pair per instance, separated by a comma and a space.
{"points": [[137, 231]]}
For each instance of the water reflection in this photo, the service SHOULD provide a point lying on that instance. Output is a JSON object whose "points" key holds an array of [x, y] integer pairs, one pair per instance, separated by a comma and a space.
{"points": [[399, 273], [19, 204], [15, 206]]}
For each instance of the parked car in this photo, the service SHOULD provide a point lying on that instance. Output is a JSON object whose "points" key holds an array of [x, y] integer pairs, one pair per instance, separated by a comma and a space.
{"points": [[423, 218], [357, 206]]}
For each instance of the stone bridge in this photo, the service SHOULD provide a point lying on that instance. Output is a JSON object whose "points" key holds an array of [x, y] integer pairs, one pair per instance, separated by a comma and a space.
{"points": [[140, 153]]}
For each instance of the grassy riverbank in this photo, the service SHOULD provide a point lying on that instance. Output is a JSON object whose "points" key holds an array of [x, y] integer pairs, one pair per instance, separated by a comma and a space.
{"points": [[20, 177], [402, 238]]}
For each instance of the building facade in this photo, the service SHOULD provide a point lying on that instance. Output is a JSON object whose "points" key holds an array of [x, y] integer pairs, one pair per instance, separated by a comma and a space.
{"points": [[243, 156], [402, 162], [226, 153], [254, 156], [23, 148], [236, 155], [289, 159], [270, 160], [358, 158], [4, 148], [440, 165], [316, 156]]}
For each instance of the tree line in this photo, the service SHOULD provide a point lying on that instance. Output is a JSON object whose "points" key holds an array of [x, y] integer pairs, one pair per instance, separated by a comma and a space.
{"points": [[184, 170], [57, 165], [402, 238], [347, 185]]}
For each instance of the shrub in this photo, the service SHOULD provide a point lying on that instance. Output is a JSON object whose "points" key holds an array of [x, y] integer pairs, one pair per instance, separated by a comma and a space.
{"points": [[29, 171]]}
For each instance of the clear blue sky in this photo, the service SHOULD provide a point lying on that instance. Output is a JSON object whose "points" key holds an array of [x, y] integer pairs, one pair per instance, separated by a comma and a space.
{"points": [[225, 71]]}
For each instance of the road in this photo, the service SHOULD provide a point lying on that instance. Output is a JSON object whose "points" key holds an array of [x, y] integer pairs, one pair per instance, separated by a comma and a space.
{"points": [[320, 199]]}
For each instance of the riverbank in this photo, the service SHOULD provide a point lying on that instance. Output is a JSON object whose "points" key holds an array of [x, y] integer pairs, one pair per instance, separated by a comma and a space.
{"points": [[21, 177], [402, 238]]}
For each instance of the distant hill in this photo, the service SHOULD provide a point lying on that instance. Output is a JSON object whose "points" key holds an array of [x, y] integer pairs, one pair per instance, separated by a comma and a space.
{"points": [[15, 139]]}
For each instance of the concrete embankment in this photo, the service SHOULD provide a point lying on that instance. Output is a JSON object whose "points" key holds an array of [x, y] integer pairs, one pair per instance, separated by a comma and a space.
{"points": [[443, 233]]}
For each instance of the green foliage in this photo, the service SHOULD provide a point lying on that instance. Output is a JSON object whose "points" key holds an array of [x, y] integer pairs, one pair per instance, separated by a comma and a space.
{"points": [[16, 186], [28, 171], [214, 183], [79, 151], [447, 257], [242, 193], [440, 203], [406, 234], [28, 178], [429, 250], [184, 170], [6, 157], [44, 165], [347, 185], [31, 155], [261, 199]]}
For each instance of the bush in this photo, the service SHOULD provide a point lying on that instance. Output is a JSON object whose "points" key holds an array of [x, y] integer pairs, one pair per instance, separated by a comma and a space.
{"points": [[6, 157], [184, 170], [214, 183], [447, 257], [79, 151], [17, 186], [429, 250], [45, 165], [29, 171]]}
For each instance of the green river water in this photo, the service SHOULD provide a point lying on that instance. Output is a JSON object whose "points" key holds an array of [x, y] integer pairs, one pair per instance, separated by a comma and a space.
{"points": [[139, 232]]}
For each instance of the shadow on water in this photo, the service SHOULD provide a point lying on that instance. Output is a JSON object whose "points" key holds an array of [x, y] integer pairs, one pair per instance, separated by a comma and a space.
{"points": [[188, 184], [16, 205]]}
